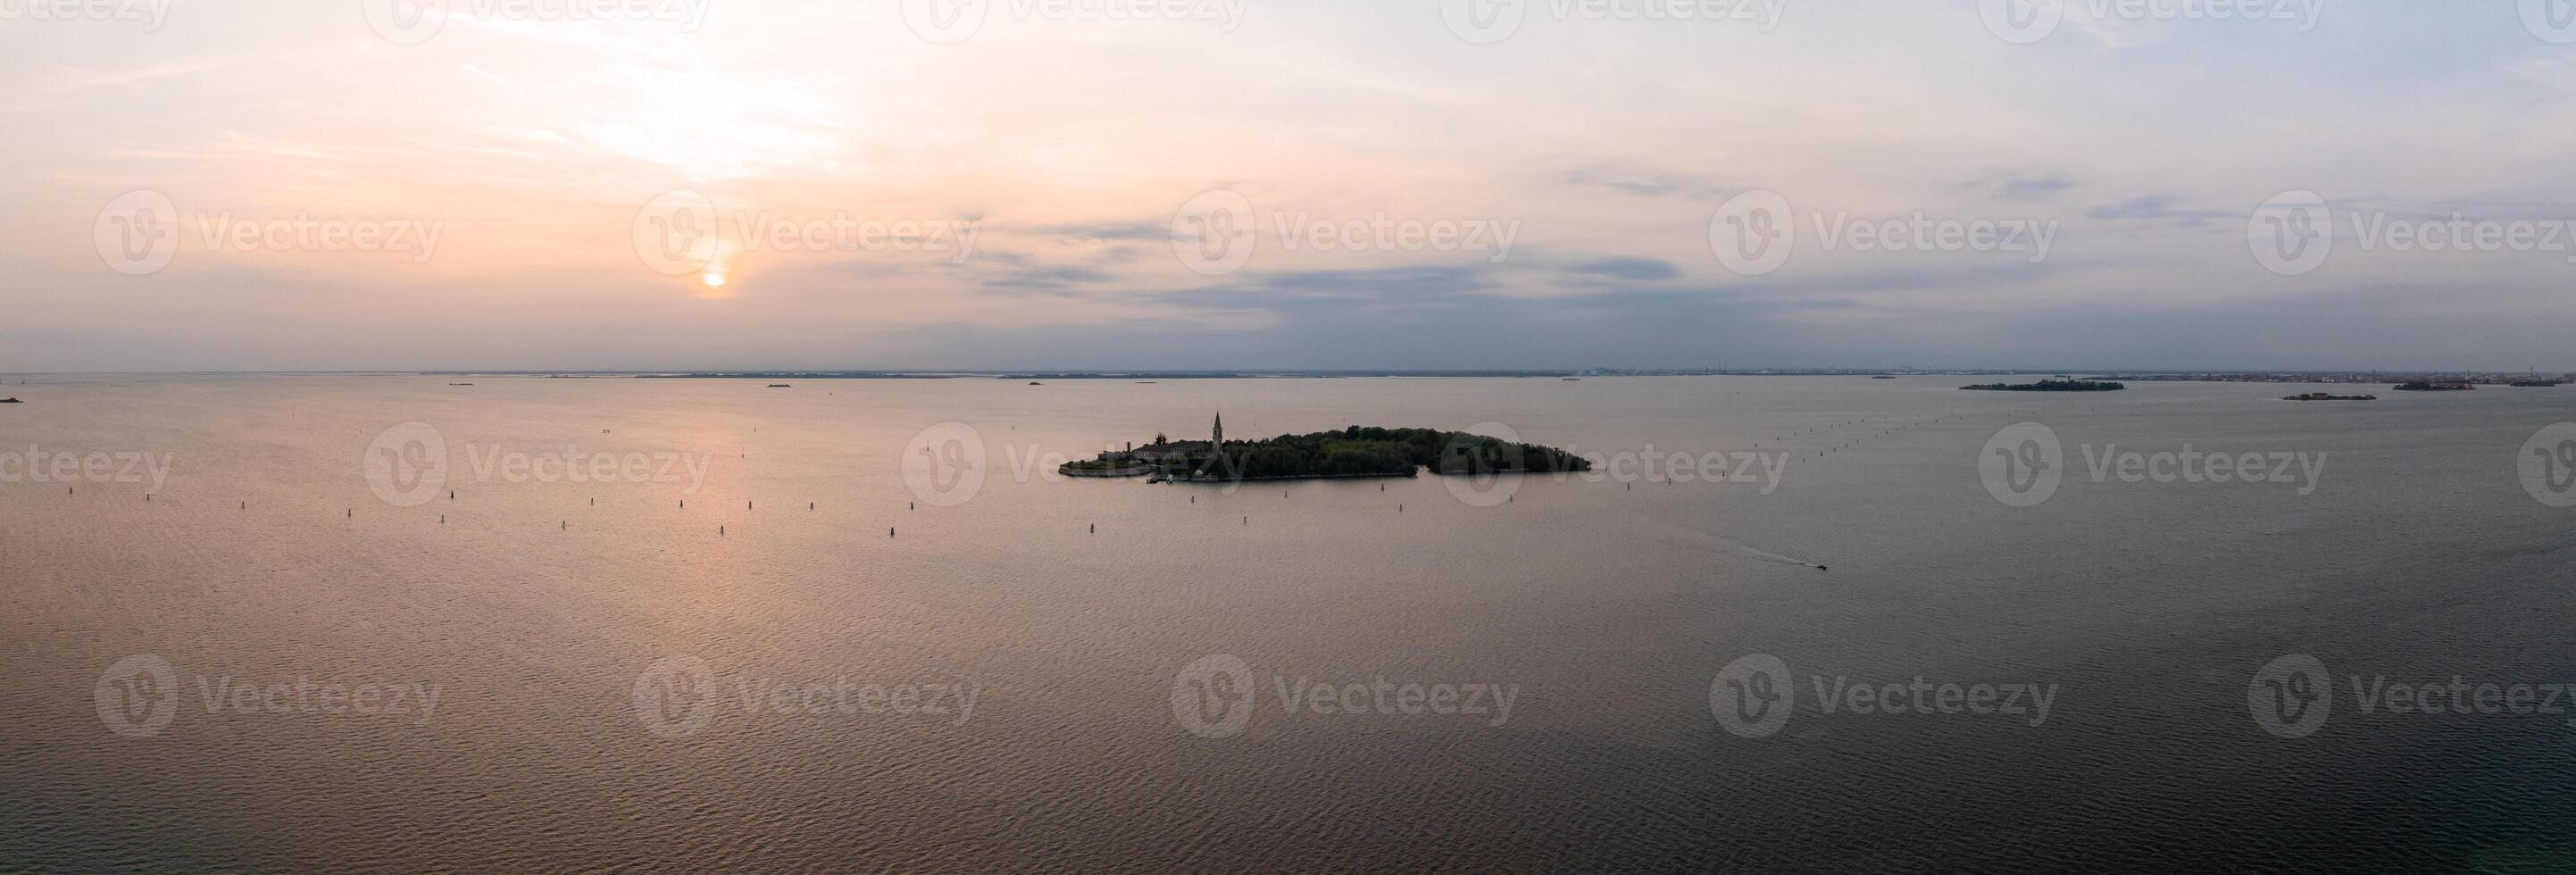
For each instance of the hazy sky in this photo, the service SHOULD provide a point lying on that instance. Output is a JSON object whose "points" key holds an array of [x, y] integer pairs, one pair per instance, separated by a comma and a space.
{"points": [[269, 185]]}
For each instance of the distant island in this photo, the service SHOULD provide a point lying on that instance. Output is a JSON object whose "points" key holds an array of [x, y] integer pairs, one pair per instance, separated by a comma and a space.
{"points": [[2422, 386], [1356, 451], [2050, 386], [2322, 396]]}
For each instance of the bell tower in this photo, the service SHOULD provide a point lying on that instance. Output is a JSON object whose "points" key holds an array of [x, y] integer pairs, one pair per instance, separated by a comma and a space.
{"points": [[1216, 436]]}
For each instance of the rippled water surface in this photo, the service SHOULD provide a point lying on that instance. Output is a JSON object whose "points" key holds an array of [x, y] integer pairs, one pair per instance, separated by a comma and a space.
{"points": [[592, 675]]}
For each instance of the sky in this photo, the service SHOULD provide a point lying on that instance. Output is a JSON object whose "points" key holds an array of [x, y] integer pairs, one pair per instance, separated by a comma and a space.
{"points": [[1253, 184]]}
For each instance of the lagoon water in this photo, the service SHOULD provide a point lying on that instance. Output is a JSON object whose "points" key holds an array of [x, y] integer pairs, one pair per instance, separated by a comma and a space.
{"points": [[618, 684]]}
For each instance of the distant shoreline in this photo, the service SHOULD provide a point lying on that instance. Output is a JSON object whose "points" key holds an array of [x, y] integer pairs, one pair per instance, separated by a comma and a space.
{"points": [[2387, 376]]}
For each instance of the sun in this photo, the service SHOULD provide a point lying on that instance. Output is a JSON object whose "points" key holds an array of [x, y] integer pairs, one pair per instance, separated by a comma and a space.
{"points": [[715, 280]]}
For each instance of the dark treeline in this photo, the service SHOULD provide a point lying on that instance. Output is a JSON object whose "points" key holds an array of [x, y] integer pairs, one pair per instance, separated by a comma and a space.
{"points": [[2050, 386], [1382, 451]]}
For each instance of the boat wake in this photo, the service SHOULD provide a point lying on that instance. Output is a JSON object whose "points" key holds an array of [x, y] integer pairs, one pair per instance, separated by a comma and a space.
{"points": [[1742, 550]]}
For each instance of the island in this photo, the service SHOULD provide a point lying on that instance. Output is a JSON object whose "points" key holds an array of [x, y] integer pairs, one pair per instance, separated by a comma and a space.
{"points": [[1354, 451], [2425, 386], [2050, 386], [1108, 465], [2323, 396]]}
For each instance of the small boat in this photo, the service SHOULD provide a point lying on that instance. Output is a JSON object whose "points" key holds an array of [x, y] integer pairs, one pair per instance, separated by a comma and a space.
{"points": [[780, 386], [11, 401], [1036, 383]]}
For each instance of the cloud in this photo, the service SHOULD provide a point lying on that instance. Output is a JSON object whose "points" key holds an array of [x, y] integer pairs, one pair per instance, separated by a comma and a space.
{"points": [[2011, 186], [2156, 208], [1048, 279], [1635, 269], [1430, 318], [1637, 183], [1981, 275], [1336, 291], [536, 141], [1102, 231]]}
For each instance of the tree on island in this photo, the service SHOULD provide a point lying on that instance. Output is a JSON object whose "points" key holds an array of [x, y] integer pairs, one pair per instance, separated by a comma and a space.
{"points": [[1358, 451], [2050, 386]]}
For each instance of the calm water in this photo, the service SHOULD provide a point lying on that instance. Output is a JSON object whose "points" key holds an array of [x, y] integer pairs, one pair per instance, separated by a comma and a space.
{"points": [[618, 685]]}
